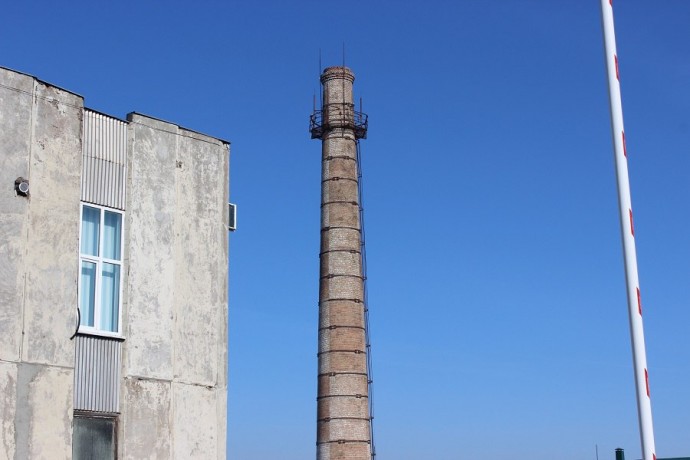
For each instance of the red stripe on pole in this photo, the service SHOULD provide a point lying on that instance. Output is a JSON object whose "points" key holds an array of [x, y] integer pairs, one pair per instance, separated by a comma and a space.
{"points": [[625, 148], [639, 302], [646, 381], [632, 227], [615, 57], [611, 2]]}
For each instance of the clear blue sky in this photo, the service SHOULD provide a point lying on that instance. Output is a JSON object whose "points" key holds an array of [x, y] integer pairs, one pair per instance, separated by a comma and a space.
{"points": [[497, 295]]}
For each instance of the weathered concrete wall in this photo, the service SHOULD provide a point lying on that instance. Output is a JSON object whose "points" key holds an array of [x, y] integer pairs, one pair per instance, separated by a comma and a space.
{"points": [[176, 311], [53, 227], [8, 409], [174, 384], [145, 424], [195, 424], [200, 260], [149, 238], [43, 421], [15, 146], [40, 139]]}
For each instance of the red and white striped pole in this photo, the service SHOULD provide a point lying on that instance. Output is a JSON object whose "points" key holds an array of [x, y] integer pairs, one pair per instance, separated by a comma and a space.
{"points": [[644, 406]]}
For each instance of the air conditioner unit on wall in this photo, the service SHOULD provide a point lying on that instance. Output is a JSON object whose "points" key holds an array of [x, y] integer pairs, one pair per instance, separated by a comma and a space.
{"points": [[232, 217]]}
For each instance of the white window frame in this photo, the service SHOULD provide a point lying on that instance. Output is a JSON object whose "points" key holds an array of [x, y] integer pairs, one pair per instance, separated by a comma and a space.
{"points": [[99, 260]]}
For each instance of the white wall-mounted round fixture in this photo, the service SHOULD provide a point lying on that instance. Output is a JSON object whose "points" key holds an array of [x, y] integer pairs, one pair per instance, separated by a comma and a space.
{"points": [[21, 186]]}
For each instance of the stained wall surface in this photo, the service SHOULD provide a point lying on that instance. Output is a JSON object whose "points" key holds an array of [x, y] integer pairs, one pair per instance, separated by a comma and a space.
{"points": [[175, 352], [40, 140], [173, 385]]}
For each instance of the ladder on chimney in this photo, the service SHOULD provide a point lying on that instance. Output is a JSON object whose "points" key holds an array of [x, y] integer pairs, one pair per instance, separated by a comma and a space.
{"points": [[367, 330]]}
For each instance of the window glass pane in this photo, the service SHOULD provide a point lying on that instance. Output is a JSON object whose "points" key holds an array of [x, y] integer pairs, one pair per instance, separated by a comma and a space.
{"points": [[93, 438], [110, 297], [87, 296], [112, 228], [90, 223]]}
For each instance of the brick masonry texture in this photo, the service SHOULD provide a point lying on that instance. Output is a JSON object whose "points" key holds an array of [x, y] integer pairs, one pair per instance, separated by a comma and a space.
{"points": [[343, 425]]}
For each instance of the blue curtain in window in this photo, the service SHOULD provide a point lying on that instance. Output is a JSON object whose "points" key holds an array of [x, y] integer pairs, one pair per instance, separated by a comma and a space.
{"points": [[110, 297], [87, 295], [90, 225], [102, 244], [112, 228]]}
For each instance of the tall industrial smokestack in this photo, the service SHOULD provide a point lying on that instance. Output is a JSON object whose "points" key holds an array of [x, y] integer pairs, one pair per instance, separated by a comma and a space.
{"points": [[343, 415]]}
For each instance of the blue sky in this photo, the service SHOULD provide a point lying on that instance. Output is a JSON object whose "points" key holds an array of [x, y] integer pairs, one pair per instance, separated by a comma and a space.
{"points": [[496, 284]]}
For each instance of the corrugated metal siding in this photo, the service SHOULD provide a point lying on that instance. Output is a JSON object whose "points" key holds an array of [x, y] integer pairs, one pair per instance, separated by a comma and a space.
{"points": [[97, 374], [104, 172]]}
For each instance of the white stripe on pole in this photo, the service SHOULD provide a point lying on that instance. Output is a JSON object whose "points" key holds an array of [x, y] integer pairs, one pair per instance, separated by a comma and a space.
{"points": [[644, 406]]}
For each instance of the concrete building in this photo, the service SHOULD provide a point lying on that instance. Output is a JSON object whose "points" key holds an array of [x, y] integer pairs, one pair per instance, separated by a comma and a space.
{"points": [[343, 407], [113, 282]]}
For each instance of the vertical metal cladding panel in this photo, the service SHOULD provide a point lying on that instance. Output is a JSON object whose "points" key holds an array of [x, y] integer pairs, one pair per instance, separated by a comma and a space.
{"points": [[97, 374], [105, 160]]}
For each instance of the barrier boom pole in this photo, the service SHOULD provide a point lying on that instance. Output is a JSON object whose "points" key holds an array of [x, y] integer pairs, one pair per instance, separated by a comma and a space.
{"points": [[644, 405]]}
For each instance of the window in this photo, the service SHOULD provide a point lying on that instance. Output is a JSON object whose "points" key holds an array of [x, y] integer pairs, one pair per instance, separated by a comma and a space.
{"points": [[100, 257], [93, 438]]}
